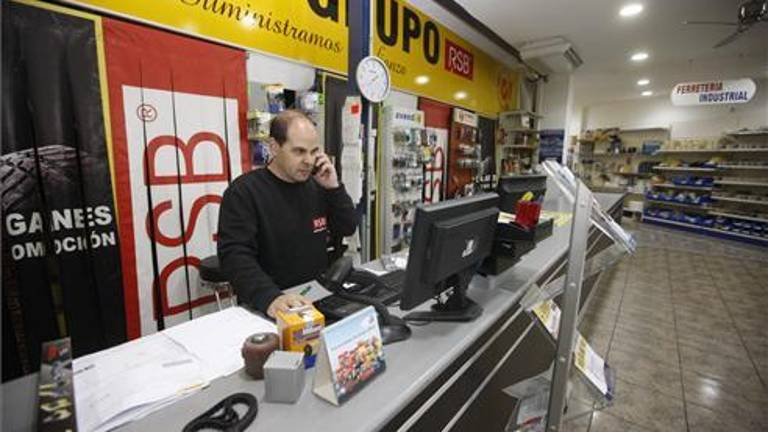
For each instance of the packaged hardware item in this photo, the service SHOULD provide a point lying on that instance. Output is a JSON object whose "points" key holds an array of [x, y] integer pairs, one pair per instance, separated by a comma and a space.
{"points": [[299, 331]]}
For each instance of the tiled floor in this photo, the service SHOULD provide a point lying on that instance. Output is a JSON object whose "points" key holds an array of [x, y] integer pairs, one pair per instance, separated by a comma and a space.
{"points": [[685, 324]]}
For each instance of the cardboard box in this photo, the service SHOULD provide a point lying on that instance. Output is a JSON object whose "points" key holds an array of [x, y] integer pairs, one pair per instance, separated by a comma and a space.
{"points": [[299, 331]]}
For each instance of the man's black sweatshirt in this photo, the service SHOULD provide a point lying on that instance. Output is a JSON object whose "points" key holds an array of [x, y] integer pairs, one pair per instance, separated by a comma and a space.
{"points": [[273, 234]]}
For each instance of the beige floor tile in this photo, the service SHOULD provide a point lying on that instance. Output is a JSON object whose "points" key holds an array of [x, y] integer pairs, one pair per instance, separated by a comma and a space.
{"points": [[649, 409], [726, 395], [719, 365], [649, 350], [720, 341], [663, 315], [701, 419], [629, 328], [604, 422], [646, 372]]}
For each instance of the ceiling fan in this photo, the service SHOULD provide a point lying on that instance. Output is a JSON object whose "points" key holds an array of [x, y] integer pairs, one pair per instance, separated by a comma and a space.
{"points": [[750, 13]]}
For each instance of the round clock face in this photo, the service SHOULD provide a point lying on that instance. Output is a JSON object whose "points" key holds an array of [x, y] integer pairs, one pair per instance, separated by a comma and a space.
{"points": [[373, 79]]}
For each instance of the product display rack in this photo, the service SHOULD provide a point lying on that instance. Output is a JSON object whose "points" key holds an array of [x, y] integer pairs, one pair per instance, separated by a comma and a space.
{"points": [[404, 154], [465, 163], [579, 381], [517, 147], [616, 159], [728, 176]]}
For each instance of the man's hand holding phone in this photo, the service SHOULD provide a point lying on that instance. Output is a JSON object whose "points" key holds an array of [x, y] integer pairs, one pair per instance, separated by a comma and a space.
{"points": [[325, 173]]}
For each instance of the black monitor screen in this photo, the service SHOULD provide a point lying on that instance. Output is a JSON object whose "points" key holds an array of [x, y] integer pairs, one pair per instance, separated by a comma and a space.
{"points": [[450, 239]]}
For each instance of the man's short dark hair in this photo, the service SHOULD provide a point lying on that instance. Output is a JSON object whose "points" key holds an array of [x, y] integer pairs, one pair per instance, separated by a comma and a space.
{"points": [[278, 127]]}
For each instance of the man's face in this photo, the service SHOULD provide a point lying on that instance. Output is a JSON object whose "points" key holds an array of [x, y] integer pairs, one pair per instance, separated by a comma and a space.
{"points": [[296, 157]]}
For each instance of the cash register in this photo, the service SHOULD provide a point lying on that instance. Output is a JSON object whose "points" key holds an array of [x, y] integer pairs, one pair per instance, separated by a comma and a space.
{"points": [[512, 241]]}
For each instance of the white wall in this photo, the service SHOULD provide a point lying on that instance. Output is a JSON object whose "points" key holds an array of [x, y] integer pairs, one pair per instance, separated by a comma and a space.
{"points": [[554, 101], [685, 122]]}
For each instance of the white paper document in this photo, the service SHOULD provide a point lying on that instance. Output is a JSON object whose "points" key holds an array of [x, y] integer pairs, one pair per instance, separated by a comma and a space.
{"points": [[217, 339], [129, 381], [549, 315], [126, 382], [590, 364]]}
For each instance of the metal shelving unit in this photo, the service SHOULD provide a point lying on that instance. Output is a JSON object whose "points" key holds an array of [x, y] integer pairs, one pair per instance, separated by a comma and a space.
{"points": [[678, 204], [711, 151], [741, 183], [739, 200], [683, 168], [518, 148], [684, 187], [719, 233], [738, 191]]}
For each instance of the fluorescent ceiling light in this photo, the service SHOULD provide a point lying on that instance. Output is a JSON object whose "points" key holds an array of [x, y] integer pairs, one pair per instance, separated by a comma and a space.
{"points": [[639, 56], [631, 10], [647, 93], [459, 95], [421, 79], [643, 82]]}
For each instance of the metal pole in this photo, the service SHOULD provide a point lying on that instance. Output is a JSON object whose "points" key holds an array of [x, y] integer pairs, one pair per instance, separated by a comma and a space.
{"points": [[577, 253], [359, 16]]}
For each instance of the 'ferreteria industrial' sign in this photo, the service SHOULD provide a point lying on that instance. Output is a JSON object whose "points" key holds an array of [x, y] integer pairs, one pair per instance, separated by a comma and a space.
{"points": [[714, 92]]}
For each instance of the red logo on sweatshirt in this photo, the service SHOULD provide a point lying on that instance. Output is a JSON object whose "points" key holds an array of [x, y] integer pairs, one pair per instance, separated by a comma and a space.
{"points": [[319, 224]]}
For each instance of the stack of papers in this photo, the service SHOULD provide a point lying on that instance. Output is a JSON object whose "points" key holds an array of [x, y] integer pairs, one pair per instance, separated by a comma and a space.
{"points": [[217, 339], [129, 381]]}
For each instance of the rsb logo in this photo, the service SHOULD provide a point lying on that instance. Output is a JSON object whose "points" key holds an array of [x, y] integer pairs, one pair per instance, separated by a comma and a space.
{"points": [[458, 60]]}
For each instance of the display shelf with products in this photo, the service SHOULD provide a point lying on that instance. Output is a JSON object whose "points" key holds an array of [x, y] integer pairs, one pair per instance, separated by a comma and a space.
{"points": [[731, 235], [763, 131], [686, 168], [621, 159], [760, 201], [517, 145], [742, 183], [730, 171], [404, 153], [687, 187]]}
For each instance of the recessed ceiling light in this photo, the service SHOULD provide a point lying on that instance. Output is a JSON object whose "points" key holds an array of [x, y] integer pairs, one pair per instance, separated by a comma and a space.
{"points": [[647, 93], [643, 82], [639, 56], [459, 95], [631, 10], [421, 79]]}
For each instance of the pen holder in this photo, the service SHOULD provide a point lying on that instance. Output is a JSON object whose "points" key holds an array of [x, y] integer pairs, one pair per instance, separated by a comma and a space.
{"points": [[527, 213]]}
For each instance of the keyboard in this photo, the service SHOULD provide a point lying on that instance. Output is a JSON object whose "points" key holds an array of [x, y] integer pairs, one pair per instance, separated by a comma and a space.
{"points": [[387, 292]]}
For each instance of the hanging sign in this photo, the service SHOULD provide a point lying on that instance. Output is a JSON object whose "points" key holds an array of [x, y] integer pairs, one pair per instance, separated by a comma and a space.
{"points": [[465, 117], [714, 92]]}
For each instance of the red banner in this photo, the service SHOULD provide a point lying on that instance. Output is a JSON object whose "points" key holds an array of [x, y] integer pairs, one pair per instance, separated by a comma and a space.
{"points": [[178, 110]]}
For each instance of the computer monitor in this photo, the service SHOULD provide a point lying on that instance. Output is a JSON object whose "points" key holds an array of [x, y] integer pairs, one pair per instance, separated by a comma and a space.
{"points": [[511, 189], [450, 240]]}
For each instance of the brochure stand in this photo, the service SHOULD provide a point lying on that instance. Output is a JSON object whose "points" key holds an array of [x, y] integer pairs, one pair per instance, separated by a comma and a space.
{"points": [[541, 400]]}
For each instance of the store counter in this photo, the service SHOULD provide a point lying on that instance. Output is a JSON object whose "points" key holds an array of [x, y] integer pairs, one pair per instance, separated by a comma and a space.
{"points": [[446, 375]]}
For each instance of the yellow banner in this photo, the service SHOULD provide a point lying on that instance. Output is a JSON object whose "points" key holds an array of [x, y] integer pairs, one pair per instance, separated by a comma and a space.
{"points": [[309, 31], [425, 58]]}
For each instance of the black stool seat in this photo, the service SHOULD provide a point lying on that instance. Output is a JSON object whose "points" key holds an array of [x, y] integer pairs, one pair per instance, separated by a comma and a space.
{"points": [[210, 271]]}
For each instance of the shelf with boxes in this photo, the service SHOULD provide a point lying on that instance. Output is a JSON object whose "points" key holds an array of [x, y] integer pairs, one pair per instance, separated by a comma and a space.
{"points": [[719, 186], [621, 160], [517, 144]]}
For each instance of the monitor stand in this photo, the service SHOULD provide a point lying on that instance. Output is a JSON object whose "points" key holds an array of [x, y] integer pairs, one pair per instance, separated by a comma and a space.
{"points": [[458, 307]]}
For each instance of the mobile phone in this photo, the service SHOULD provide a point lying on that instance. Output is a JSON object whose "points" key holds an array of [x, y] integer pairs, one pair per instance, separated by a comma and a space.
{"points": [[316, 168]]}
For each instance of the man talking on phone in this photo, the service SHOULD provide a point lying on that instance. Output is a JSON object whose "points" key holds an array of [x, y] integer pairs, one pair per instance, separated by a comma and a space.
{"points": [[274, 223]]}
